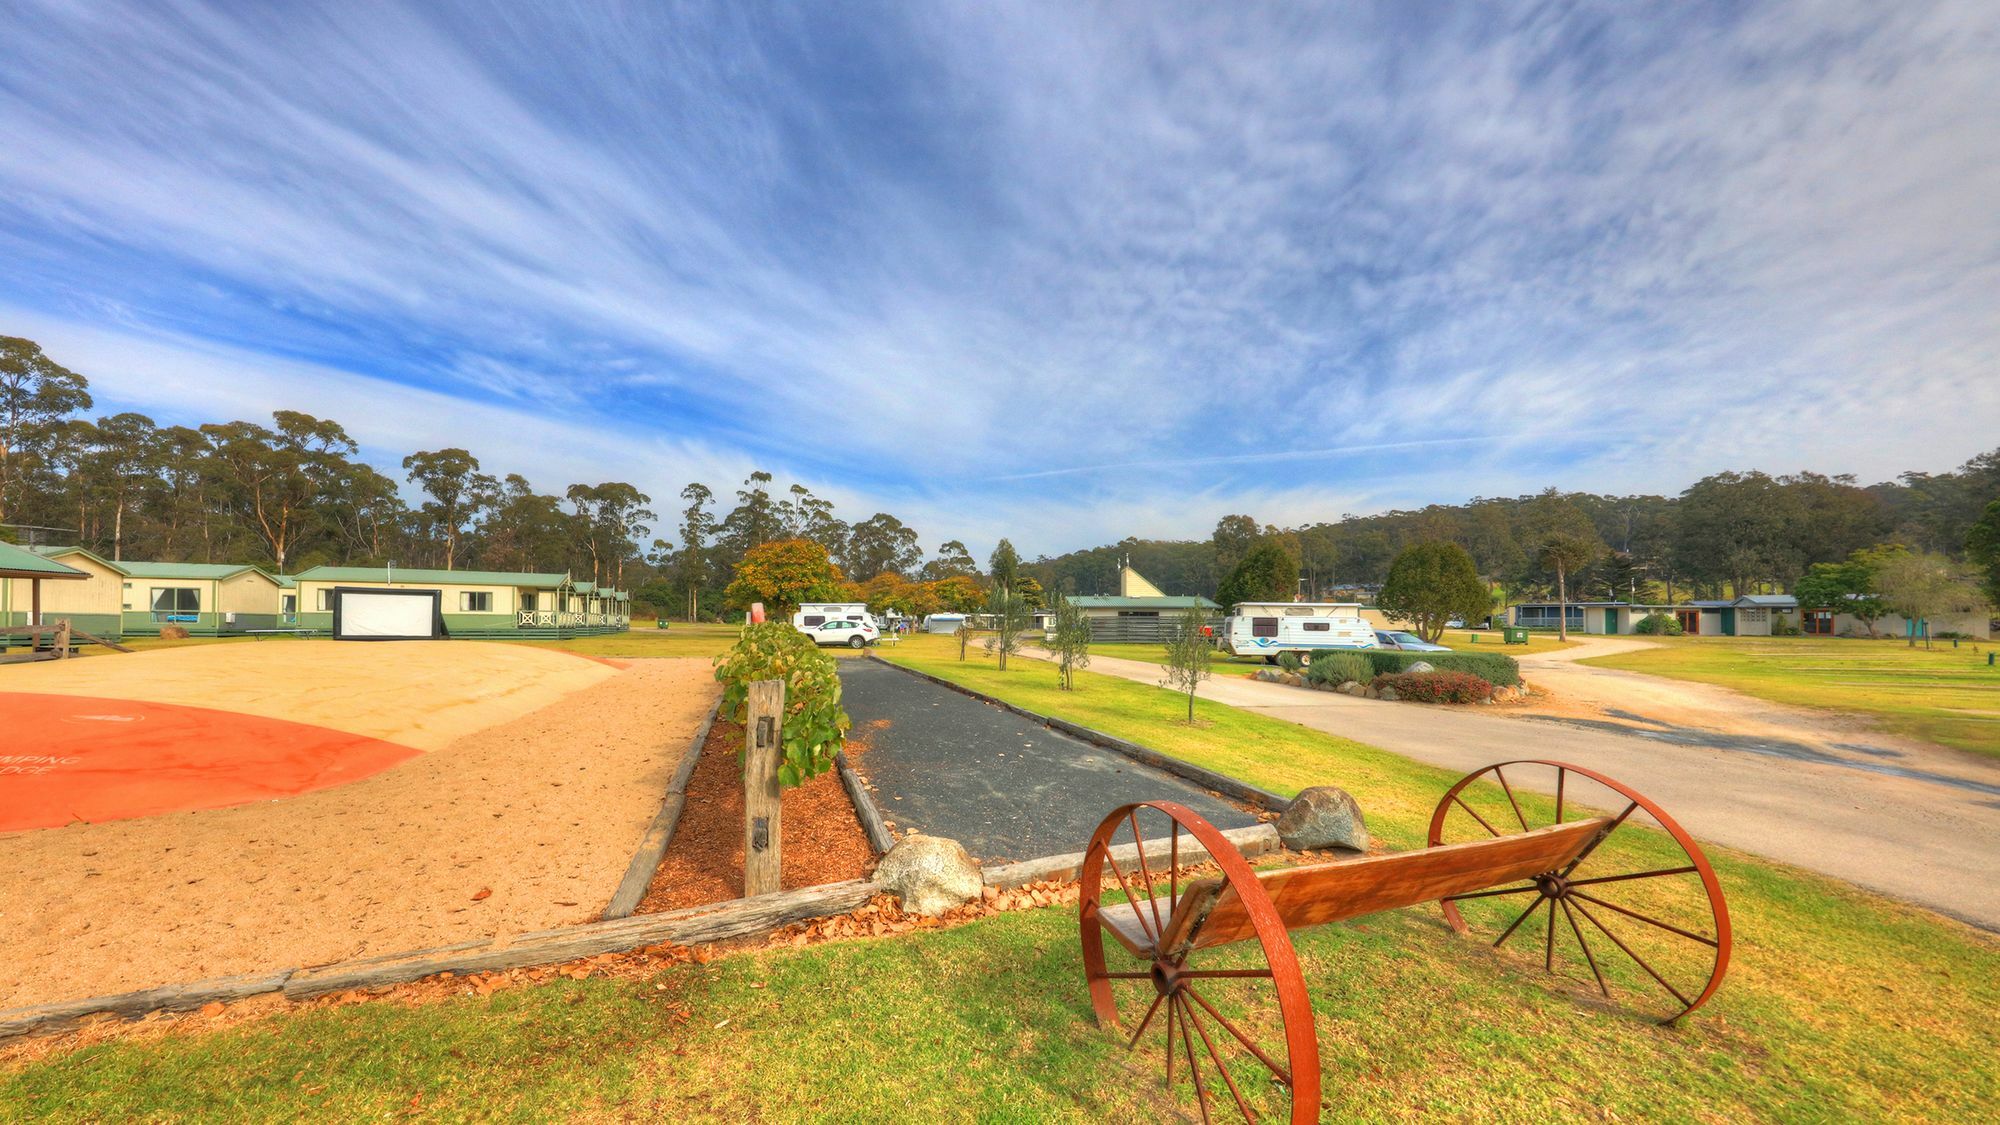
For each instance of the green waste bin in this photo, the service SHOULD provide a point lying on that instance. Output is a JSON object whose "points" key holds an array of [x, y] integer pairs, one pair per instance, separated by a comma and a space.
{"points": [[1514, 635], [660, 622]]}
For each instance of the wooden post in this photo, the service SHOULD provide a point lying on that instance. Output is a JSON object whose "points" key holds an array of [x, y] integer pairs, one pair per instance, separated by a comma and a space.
{"points": [[762, 753]]}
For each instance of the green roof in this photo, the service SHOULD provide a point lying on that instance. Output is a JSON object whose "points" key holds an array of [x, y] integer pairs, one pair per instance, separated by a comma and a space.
{"points": [[19, 562], [205, 572], [64, 552], [1115, 602], [287, 581], [404, 575], [585, 587]]}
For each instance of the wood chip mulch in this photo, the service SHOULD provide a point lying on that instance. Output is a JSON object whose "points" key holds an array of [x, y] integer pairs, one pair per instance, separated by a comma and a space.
{"points": [[822, 840]]}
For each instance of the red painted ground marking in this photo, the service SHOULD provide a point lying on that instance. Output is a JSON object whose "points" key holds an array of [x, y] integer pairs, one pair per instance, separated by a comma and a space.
{"points": [[65, 758]]}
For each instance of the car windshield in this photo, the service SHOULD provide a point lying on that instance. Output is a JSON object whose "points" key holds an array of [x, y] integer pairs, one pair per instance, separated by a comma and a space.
{"points": [[1407, 639]]}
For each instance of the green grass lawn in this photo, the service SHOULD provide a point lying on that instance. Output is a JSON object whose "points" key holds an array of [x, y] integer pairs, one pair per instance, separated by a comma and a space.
{"points": [[1944, 695], [1841, 1006]]}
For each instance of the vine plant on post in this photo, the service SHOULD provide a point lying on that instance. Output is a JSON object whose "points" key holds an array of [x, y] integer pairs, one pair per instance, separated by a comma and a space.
{"points": [[787, 693]]}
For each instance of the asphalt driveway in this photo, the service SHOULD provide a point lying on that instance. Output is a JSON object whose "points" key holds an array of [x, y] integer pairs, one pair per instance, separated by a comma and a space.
{"points": [[1006, 787]]}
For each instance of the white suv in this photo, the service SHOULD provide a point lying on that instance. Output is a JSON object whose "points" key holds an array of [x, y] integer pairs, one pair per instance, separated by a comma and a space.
{"points": [[853, 634]]}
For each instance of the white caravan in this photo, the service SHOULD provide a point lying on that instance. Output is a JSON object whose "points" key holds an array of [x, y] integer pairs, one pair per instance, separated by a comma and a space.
{"points": [[1267, 629], [814, 614]]}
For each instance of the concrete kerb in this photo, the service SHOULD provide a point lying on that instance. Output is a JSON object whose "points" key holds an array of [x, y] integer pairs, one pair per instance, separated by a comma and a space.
{"points": [[653, 845], [1206, 778]]}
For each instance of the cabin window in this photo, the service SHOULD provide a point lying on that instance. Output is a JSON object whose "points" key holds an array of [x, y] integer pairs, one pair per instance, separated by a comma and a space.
{"points": [[528, 600], [1298, 611], [1318, 626], [1263, 626], [475, 601], [1138, 613], [289, 604], [812, 619], [325, 602], [176, 603]]}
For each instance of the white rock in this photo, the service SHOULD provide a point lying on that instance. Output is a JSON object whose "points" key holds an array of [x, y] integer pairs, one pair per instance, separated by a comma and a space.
{"points": [[930, 874]]}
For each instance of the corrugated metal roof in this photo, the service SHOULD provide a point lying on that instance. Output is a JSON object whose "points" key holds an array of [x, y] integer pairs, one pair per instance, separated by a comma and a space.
{"points": [[1782, 601], [19, 562], [64, 552], [1092, 601], [404, 576], [200, 571]]}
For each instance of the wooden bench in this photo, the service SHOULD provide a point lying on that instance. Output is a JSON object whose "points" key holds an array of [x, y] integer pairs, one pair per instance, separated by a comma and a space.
{"points": [[1227, 932]]}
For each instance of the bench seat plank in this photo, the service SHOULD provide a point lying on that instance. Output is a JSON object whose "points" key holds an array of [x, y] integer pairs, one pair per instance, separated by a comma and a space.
{"points": [[1331, 892]]}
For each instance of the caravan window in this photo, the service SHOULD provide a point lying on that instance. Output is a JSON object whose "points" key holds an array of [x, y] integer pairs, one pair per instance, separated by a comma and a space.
{"points": [[1298, 611], [1263, 626], [814, 619], [1318, 626]]}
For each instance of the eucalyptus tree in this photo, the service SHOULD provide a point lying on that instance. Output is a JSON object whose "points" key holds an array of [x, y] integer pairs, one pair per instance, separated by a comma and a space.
{"points": [[36, 394], [458, 492]]}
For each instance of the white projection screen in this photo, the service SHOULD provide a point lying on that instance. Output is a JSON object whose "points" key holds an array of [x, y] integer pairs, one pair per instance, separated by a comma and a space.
{"points": [[361, 614]]}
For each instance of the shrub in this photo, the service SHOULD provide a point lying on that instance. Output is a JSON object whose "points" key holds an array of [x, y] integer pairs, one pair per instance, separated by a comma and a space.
{"points": [[1659, 625], [1337, 668], [1495, 669], [1289, 661], [814, 721], [1437, 687]]}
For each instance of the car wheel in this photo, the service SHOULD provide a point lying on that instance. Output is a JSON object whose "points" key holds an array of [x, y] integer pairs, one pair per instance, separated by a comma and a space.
{"points": [[856, 642]]}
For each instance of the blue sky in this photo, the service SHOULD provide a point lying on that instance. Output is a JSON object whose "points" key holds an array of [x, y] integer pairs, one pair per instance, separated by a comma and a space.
{"points": [[1060, 272]]}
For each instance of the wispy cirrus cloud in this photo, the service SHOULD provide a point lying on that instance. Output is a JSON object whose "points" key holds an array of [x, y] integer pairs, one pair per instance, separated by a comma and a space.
{"points": [[1065, 273]]}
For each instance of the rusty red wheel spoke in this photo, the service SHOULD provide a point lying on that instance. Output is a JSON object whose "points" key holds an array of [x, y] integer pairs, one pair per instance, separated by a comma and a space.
{"points": [[1170, 1042], [1490, 894], [1549, 949], [1250, 1045], [1137, 912], [1509, 790], [1509, 931], [1174, 869], [1222, 1068], [1475, 815], [1627, 950], [1585, 946], [1146, 877], [1211, 973], [1690, 869], [1635, 915], [1144, 1023], [1194, 1068], [1561, 776], [1601, 837], [1128, 976]]}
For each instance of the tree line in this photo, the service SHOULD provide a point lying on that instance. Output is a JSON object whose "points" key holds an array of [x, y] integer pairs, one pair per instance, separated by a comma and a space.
{"points": [[1737, 532]]}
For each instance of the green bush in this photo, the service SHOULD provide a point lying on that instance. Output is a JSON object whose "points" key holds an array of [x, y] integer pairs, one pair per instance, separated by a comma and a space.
{"points": [[1659, 625], [1289, 661], [1437, 687], [814, 722], [1337, 668], [1495, 669]]}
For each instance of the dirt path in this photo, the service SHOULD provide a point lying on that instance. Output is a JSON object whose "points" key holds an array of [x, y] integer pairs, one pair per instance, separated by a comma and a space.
{"points": [[522, 826], [1922, 827]]}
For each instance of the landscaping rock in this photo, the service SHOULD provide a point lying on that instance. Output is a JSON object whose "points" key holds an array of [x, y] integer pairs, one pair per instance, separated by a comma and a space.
{"points": [[1353, 687], [1323, 817], [930, 874], [1387, 695], [1421, 666]]}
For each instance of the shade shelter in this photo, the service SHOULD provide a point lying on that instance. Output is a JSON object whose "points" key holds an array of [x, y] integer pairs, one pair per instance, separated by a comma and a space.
{"points": [[25, 565]]}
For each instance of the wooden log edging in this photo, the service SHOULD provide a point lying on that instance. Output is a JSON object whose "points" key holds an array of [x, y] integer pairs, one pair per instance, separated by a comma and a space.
{"points": [[660, 834], [697, 925], [1255, 840], [865, 809], [1145, 755]]}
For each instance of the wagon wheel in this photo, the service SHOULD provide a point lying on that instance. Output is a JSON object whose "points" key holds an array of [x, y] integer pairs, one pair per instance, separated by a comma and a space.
{"points": [[1233, 1021], [1640, 909]]}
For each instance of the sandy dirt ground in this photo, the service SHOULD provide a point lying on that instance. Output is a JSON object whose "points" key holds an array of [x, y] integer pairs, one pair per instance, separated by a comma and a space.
{"points": [[521, 826], [421, 694], [1916, 822]]}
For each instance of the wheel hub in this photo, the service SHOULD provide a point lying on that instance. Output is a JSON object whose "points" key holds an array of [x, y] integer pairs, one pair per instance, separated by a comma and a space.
{"points": [[1166, 978], [1552, 885]]}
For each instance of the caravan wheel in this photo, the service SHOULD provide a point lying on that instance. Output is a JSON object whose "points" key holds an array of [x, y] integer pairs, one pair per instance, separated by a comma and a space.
{"points": [[1271, 659]]}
